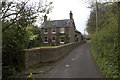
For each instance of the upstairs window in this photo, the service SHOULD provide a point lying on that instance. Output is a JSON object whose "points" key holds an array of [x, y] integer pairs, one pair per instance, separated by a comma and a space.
{"points": [[45, 31], [62, 30], [45, 39], [53, 39], [53, 30]]}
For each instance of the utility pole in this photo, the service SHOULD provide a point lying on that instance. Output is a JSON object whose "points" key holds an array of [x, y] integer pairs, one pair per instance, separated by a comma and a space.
{"points": [[96, 16], [84, 32]]}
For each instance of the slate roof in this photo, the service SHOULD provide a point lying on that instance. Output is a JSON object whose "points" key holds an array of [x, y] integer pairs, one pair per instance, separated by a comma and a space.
{"points": [[57, 23]]}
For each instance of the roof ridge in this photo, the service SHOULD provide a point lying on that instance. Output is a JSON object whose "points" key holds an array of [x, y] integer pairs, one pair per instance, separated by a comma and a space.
{"points": [[58, 23]]}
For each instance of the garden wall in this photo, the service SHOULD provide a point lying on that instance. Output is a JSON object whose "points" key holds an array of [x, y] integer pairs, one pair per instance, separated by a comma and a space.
{"points": [[34, 56]]}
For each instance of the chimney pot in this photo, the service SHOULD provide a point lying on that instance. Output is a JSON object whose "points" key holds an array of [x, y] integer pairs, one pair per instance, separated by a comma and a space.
{"points": [[71, 15]]}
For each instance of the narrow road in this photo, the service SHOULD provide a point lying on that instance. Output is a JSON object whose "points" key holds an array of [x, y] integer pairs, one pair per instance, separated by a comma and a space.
{"points": [[77, 64]]}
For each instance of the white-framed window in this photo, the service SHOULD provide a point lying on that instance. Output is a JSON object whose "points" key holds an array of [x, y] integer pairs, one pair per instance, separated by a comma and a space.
{"points": [[45, 39], [62, 39], [53, 30], [45, 31], [62, 30], [53, 39]]}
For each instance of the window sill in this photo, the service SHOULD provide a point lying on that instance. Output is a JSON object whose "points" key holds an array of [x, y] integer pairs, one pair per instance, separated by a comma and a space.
{"points": [[45, 33], [53, 41], [45, 42], [53, 32], [62, 42], [62, 32]]}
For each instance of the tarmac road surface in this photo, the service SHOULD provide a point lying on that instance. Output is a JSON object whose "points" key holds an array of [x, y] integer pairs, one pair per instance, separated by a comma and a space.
{"points": [[79, 63]]}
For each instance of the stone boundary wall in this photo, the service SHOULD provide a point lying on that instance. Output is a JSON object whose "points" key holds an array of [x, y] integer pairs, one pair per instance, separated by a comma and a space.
{"points": [[34, 56]]}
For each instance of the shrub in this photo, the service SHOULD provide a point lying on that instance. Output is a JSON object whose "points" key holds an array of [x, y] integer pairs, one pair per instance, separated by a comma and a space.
{"points": [[104, 47]]}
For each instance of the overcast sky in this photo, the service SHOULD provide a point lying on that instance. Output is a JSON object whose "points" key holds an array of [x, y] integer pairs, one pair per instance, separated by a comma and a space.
{"points": [[79, 9]]}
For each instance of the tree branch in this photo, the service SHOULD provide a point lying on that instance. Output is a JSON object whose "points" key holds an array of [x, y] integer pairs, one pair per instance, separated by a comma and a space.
{"points": [[8, 15]]}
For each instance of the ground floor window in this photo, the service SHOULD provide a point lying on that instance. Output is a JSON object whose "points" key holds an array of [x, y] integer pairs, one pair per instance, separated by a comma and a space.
{"points": [[53, 39], [62, 40], [45, 39]]}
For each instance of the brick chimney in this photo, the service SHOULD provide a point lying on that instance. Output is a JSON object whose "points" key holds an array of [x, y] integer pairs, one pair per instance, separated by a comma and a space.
{"points": [[45, 18], [71, 15]]}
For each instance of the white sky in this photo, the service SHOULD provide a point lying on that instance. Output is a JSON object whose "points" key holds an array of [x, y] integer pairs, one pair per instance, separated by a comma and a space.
{"points": [[79, 9], [62, 9]]}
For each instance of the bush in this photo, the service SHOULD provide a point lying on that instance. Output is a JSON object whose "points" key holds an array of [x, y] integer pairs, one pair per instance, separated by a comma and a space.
{"points": [[104, 47]]}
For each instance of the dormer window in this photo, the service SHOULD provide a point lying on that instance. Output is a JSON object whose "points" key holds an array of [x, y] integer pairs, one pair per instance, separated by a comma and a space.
{"points": [[45, 31], [53, 30], [62, 30]]}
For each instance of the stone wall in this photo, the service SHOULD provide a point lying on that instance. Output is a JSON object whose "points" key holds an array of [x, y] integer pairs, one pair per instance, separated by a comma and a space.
{"points": [[34, 56]]}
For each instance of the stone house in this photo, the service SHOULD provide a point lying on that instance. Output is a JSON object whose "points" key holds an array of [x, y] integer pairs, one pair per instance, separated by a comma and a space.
{"points": [[59, 32]]}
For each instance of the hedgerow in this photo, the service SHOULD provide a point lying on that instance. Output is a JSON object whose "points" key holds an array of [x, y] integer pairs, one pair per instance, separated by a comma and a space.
{"points": [[104, 46]]}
